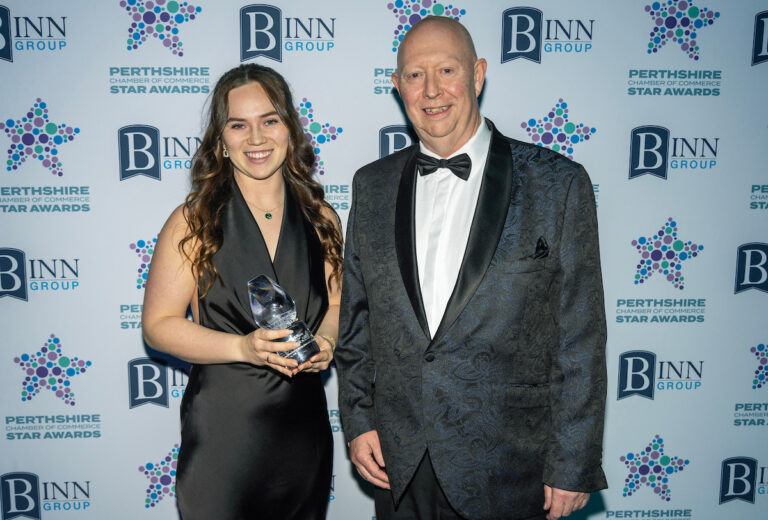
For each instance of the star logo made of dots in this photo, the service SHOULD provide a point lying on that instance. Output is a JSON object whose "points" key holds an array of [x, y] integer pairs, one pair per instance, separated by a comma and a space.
{"points": [[556, 132], [34, 136], [664, 253], [409, 13], [144, 250], [678, 22], [761, 372], [652, 468], [159, 19], [318, 134], [50, 369], [162, 478]]}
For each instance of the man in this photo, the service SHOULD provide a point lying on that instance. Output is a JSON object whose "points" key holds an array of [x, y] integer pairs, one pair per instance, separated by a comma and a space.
{"points": [[471, 358]]}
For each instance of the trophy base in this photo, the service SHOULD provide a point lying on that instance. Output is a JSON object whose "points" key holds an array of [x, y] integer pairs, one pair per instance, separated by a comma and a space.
{"points": [[303, 353], [307, 344]]}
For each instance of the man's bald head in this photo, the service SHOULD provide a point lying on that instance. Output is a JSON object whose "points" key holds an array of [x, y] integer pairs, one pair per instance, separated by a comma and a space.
{"points": [[440, 23], [439, 79]]}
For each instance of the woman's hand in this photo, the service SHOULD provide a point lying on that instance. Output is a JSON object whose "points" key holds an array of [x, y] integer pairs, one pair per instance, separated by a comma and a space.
{"points": [[259, 348], [319, 361]]}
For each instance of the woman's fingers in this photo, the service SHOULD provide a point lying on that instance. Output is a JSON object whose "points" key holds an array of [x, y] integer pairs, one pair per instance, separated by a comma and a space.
{"points": [[282, 364], [319, 361]]}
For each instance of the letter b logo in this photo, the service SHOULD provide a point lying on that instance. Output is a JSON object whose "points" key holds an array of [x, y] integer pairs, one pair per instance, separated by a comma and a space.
{"points": [[148, 381], [139, 151], [738, 477], [752, 267], [21, 496], [649, 151], [13, 273], [394, 138], [261, 32], [521, 34], [637, 374], [6, 49]]}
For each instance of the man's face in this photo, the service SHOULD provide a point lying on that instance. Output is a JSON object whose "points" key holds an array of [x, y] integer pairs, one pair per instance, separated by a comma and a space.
{"points": [[438, 81]]}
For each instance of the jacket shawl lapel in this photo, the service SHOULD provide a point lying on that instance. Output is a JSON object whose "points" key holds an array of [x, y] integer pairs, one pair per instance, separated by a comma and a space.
{"points": [[487, 226], [405, 239]]}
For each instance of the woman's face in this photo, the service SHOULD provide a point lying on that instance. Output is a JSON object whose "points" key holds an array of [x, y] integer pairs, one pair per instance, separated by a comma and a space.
{"points": [[256, 137]]}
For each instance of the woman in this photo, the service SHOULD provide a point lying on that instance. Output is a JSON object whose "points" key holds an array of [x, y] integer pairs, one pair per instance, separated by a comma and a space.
{"points": [[256, 441]]}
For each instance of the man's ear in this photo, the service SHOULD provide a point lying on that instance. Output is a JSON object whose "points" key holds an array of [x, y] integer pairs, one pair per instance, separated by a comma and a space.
{"points": [[395, 81], [479, 75]]}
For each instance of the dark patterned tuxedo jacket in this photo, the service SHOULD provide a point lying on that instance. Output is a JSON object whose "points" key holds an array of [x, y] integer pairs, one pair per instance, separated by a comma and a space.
{"points": [[510, 392]]}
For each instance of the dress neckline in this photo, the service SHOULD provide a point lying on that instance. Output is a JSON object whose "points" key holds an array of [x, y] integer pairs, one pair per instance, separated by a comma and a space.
{"points": [[280, 234]]}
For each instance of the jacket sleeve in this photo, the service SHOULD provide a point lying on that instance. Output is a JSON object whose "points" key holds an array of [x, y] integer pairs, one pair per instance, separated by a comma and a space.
{"points": [[578, 372], [353, 356]]}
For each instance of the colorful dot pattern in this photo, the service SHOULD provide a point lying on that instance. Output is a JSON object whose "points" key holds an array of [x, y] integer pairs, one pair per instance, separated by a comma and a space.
{"points": [[678, 21], [159, 19], [49, 369], [761, 353], [556, 132], [409, 13], [664, 253], [162, 478], [317, 133], [35, 136], [651, 468], [144, 250]]}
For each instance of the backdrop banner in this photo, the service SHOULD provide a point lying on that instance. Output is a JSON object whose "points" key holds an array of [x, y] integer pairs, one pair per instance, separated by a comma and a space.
{"points": [[102, 109]]}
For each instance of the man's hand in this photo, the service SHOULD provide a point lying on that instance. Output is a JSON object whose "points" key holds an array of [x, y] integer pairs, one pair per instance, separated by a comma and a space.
{"points": [[562, 503], [365, 453]]}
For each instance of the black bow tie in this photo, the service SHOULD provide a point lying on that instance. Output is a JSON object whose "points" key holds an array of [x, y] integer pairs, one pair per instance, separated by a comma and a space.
{"points": [[460, 165]]}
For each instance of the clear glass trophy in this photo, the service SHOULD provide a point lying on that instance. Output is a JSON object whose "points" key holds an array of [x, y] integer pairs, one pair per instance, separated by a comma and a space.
{"points": [[273, 309]]}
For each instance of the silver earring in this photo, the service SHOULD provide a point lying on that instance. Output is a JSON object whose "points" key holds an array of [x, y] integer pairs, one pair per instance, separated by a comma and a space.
{"points": [[225, 153]]}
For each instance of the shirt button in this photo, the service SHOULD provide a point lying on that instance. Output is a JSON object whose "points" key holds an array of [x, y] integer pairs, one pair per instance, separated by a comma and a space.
{"points": [[429, 358]]}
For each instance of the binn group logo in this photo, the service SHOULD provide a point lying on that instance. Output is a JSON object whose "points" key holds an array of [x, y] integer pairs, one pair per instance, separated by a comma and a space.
{"points": [[31, 34], [525, 33], [158, 19], [663, 253], [162, 478], [18, 275], [752, 267], [410, 13], [34, 136], [760, 44], [556, 132], [264, 31], [640, 373], [653, 152], [50, 369], [678, 22], [24, 496], [741, 478], [651, 468], [143, 151], [317, 133], [144, 249]]}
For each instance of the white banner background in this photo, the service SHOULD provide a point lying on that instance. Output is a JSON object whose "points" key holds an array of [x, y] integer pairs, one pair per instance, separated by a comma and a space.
{"points": [[347, 84]]}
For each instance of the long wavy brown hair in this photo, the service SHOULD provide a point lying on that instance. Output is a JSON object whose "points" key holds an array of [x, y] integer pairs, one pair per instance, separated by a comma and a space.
{"points": [[212, 174]]}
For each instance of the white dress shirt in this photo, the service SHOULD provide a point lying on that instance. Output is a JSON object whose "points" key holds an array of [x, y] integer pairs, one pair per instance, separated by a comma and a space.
{"points": [[445, 207]]}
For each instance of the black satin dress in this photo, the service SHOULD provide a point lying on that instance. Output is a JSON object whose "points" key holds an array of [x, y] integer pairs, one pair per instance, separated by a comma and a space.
{"points": [[254, 443]]}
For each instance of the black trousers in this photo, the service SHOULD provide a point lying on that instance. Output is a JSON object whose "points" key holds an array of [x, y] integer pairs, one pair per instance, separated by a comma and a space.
{"points": [[423, 499]]}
